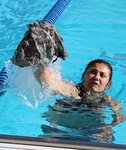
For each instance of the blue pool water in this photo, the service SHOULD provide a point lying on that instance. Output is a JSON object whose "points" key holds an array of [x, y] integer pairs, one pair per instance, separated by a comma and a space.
{"points": [[90, 29]]}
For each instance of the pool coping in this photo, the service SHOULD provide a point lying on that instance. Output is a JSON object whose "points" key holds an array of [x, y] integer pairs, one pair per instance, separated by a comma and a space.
{"points": [[58, 143]]}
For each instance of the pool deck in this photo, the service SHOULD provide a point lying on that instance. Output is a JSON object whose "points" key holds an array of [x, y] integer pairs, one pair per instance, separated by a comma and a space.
{"points": [[6, 146], [9, 142]]}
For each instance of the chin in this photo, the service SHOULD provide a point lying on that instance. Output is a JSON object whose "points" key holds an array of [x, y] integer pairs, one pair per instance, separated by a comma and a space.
{"points": [[94, 89]]}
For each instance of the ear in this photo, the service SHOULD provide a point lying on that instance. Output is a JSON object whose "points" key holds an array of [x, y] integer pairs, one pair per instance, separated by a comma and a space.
{"points": [[108, 85]]}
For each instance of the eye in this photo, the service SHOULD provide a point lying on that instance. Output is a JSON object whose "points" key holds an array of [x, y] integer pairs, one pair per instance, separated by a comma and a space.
{"points": [[93, 71], [102, 75]]}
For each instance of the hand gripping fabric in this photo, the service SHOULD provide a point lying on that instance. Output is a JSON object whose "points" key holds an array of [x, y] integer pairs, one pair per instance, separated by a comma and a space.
{"points": [[51, 17]]}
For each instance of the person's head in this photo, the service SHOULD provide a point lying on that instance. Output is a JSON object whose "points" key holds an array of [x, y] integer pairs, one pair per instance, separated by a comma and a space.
{"points": [[97, 76]]}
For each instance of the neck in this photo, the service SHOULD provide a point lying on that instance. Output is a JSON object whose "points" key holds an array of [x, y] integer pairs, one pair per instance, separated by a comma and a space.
{"points": [[85, 92], [89, 98]]}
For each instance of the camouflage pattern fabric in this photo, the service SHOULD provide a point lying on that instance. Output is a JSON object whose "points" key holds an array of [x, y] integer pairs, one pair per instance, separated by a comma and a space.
{"points": [[40, 44]]}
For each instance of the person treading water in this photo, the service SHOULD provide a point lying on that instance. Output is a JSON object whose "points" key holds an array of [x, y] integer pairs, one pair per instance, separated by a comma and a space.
{"points": [[96, 78]]}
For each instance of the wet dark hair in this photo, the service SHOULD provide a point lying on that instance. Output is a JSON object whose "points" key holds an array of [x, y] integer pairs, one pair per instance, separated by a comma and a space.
{"points": [[99, 61]]}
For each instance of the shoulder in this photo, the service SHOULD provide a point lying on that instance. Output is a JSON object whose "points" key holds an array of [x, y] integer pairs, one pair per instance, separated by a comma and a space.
{"points": [[107, 98], [116, 105]]}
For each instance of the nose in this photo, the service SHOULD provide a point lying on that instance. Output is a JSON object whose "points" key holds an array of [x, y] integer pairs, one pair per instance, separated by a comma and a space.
{"points": [[97, 76]]}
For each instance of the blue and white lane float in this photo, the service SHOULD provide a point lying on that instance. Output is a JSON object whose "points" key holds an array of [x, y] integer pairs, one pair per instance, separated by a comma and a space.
{"points": [[51, 18], [3, 80], [56, 11]]}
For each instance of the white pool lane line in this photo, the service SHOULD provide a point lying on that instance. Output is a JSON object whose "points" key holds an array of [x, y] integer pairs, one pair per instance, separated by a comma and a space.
{"points": [[5, 146]]}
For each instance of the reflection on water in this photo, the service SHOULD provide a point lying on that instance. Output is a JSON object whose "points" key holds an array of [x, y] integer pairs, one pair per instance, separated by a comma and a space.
{"points": [[71, 119]]}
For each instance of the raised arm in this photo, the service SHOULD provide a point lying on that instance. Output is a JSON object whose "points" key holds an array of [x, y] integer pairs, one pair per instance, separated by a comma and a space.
{"points": [[53, 81]]}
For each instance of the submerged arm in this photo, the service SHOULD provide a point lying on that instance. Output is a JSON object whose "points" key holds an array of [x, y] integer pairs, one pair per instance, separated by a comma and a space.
{"points": [[106, 131], [116, 107], [50, 79], [117, 116]]}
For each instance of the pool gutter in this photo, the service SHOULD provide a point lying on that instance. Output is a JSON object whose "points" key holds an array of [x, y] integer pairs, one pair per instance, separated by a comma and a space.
{"points": [[57, 143]]}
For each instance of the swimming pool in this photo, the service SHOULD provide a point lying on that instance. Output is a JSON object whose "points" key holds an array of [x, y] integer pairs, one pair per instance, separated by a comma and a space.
{"points": [[90, 30]]}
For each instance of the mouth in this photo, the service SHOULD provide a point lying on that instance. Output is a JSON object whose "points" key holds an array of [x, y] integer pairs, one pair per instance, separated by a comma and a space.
{"points": [[94, 83]]}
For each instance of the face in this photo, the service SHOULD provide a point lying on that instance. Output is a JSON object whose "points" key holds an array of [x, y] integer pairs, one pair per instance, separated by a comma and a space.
{"points": [[96, 78]]}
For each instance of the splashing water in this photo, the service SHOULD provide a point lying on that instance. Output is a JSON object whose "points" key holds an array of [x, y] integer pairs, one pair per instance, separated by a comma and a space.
{"points": [[24, 86]]}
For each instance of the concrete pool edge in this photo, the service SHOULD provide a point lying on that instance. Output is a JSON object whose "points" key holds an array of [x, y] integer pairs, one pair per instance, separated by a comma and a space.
{"points": [[57, 143]]}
